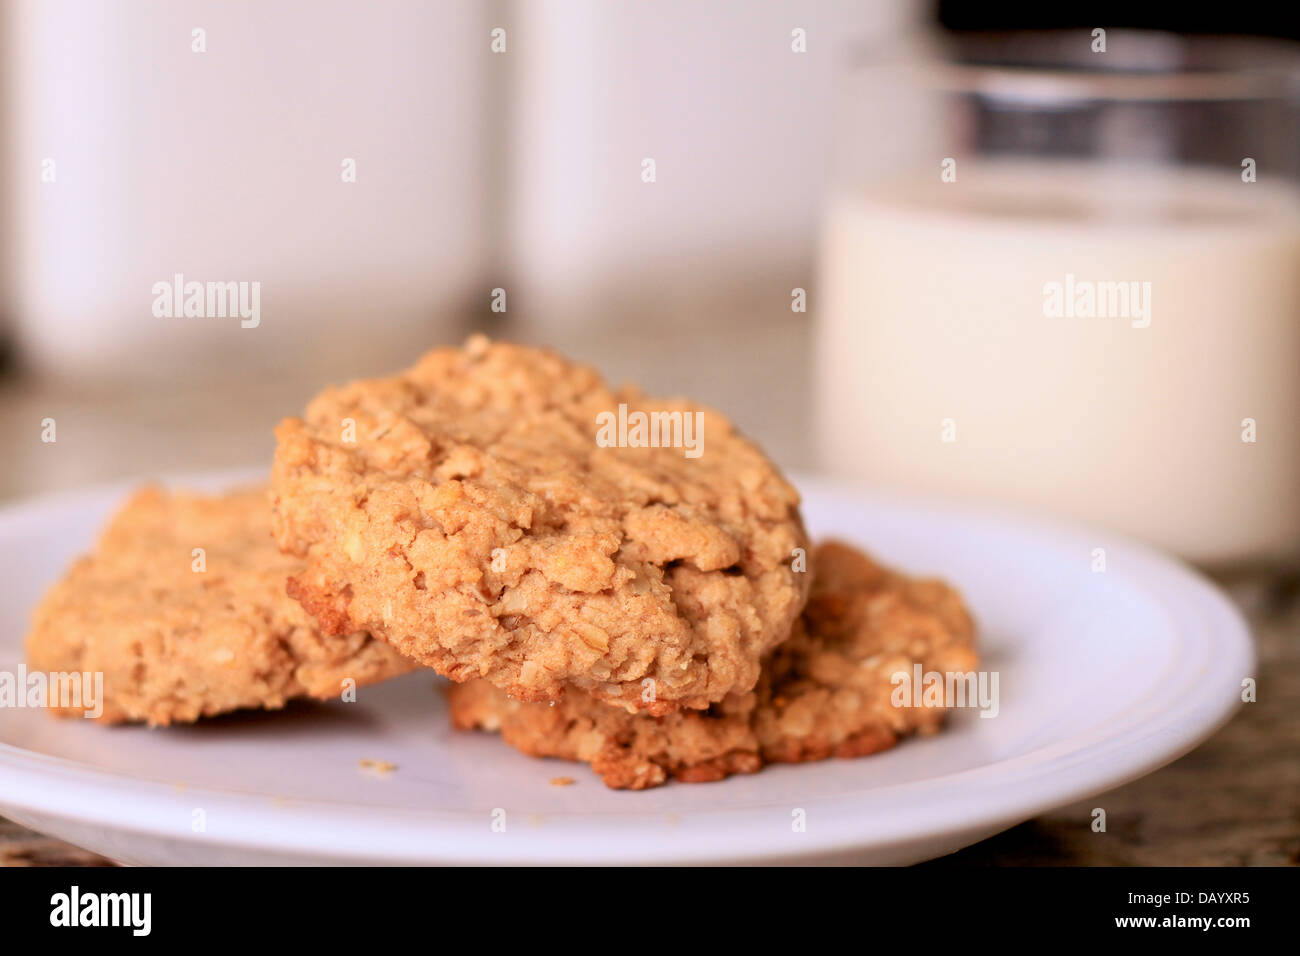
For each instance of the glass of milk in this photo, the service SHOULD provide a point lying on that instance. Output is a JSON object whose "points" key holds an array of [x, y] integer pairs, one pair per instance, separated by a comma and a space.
{"points": [[1062, 271]]}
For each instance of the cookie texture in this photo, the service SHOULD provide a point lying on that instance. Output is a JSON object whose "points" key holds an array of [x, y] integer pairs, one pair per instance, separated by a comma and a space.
{"points": [[472, 512], [175, 643], [827, 692]]}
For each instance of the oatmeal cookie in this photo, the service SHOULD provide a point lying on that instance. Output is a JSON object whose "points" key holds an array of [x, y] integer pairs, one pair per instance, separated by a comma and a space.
{"points": [[825, 692], [479, 512], [179, 635]]}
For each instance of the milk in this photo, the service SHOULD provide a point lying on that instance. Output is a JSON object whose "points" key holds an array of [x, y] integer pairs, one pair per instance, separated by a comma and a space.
{"points": [[957, 353]]}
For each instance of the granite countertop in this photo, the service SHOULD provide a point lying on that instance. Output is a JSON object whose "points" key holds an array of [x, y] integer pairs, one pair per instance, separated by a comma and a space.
{"points": [[1234, 800]]}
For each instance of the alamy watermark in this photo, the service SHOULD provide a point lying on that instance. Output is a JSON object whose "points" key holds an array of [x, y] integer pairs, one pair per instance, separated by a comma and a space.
{"points": [[922, 688], [638, 429], [208, 300], [1086, 299], [133, 911], [66, 690]]}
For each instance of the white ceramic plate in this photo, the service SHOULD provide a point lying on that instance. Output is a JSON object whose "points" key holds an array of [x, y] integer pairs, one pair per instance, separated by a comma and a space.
{"points": [[1102, 677]]}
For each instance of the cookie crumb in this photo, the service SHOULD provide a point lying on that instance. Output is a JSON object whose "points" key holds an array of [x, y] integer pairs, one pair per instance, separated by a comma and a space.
{"points": [[562, 781], [381, 768]]}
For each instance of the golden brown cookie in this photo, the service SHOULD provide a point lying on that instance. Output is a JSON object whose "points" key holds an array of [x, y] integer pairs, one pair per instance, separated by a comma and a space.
{"points": [[473, 512], [825, 692], [179, 634]]}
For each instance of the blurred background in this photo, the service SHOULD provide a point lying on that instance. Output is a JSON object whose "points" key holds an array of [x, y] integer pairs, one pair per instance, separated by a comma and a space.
{"points": [[480, 160], [743, 200], [837, 221]]}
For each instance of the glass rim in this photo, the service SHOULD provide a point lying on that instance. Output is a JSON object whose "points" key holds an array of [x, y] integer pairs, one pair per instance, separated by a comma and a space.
{"points": [[1037, 67]]}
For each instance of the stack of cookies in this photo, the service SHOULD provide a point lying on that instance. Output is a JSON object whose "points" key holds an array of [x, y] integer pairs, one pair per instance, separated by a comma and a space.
{"points": [[604, 577]]}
